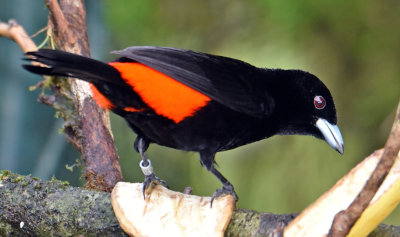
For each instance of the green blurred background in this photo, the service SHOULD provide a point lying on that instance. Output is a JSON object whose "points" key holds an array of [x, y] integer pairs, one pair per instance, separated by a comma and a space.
{"points": [[353, 46]]}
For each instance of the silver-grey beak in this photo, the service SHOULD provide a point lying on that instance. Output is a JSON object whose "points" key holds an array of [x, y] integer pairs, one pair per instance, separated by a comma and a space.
{"points": [[331, 134]]}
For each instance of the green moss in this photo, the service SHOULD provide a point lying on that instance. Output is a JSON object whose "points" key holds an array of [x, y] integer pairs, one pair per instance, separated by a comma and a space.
{"points": [[61, 130], [19, 179], [4, 174], [37, 187], [64, 185], [243, 219]]}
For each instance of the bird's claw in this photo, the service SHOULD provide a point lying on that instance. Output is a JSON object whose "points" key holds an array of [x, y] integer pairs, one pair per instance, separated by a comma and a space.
{"points": [[150, 181], [225, 190]]}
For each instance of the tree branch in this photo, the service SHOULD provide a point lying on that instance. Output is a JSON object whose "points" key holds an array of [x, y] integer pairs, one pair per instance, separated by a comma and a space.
{"points": [[55, 208], [67, 21]]}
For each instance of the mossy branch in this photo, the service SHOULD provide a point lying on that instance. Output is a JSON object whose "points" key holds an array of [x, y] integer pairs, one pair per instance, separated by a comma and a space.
{"points": [[31, 207]]}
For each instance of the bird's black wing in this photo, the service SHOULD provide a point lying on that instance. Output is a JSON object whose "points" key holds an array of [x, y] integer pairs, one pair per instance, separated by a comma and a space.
{"points": [[228, 81]]}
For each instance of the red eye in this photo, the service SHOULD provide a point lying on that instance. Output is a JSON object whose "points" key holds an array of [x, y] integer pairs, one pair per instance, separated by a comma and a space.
{"points": [[319, 102]]}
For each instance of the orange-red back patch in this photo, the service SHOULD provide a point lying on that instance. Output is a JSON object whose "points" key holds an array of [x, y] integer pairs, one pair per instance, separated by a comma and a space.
{"points": [[166, 96], [132, 109], [100, 99]]}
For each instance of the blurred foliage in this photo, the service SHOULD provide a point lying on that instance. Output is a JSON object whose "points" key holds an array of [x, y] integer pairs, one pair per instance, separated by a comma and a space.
{"points": [[353, 46]]}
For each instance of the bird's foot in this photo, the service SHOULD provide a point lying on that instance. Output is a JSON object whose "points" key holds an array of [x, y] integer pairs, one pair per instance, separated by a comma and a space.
{"points": [[150, 181], [227, 189]]}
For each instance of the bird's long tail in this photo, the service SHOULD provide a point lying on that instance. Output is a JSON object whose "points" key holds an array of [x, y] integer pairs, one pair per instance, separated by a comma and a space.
{"points": [[60, 63]]}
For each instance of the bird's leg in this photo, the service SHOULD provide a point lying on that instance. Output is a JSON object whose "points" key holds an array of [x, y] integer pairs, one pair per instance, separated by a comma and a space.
{"points": [[207, 160], [150, 179], [227, 187]]}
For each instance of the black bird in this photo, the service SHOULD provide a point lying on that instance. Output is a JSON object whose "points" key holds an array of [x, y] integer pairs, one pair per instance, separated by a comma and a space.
{"points": [[199, 102]]}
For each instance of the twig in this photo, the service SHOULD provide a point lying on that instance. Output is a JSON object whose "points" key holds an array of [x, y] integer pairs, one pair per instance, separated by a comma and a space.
{"points": [[39, 31], [345, 219], [15, 32]]}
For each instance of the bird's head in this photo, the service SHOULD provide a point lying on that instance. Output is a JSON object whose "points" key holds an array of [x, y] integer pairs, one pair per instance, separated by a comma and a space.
{"points": [[310, 109]]}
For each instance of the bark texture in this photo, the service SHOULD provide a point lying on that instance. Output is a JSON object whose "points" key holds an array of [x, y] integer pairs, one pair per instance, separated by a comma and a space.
{"points": [[31, 207]]}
